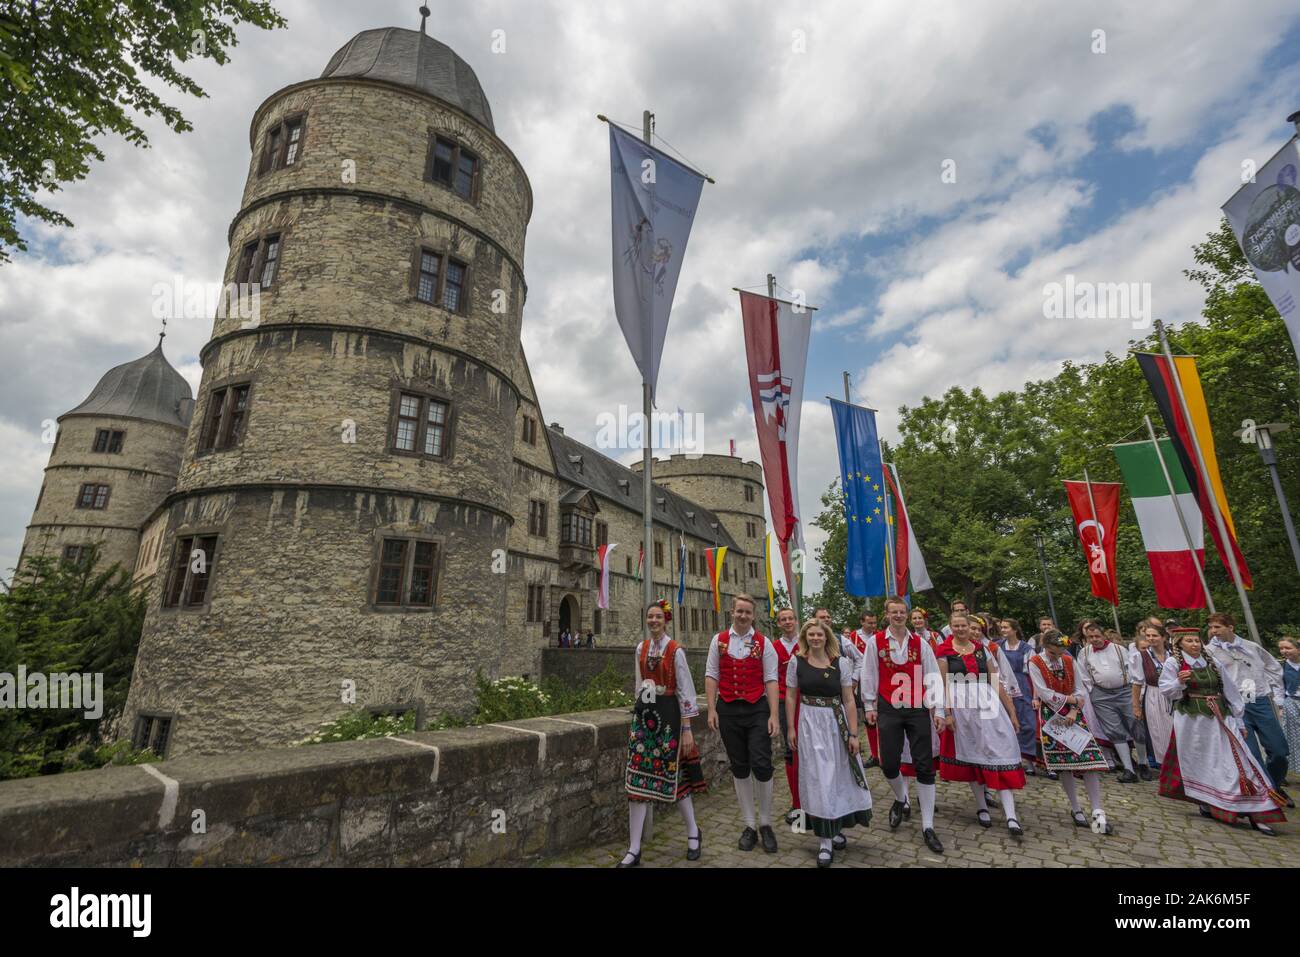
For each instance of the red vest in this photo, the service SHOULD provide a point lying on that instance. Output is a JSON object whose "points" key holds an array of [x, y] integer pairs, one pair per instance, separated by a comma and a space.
{"points": [[907, 691], [782, 661], [740, 678], [858, 642]]}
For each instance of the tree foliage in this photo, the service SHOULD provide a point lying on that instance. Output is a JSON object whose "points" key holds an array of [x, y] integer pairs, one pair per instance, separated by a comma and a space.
{"points": [[983, 473], [73, 71], [65, 617]]}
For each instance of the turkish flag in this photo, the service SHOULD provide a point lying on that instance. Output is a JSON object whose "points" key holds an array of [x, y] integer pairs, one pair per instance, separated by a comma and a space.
{"points": [[1098, 533]]}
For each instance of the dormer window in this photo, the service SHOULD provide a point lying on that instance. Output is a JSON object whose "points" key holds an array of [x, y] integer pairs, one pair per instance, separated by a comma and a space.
{"points": [[452, 165]]}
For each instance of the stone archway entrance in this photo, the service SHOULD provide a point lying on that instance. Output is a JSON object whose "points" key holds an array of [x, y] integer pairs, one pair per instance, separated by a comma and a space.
{"points": [[570, 617]]}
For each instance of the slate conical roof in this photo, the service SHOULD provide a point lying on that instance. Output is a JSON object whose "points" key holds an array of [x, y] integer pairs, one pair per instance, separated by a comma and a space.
{"points": [[145, 388], [414, 59]]}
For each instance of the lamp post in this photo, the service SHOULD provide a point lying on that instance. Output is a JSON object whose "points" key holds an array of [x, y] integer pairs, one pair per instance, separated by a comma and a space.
{"points": [[1264, 442], [1051, 605]]}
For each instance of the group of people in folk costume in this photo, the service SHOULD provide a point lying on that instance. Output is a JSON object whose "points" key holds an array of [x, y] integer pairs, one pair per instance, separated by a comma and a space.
{"points": [[962, 705]]}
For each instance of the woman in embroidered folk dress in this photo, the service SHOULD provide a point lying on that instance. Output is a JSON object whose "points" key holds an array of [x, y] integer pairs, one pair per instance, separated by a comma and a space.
{"points": [[819, 703], [1290, 649], [1017, 651], [663, 763], [1061, 695], [978, 744], [921, 626], [1146, 658], [1207, 760]]}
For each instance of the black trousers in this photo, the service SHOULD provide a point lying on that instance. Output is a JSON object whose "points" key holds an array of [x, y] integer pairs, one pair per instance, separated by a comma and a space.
{"points": [[893, 725], [743, 727]]}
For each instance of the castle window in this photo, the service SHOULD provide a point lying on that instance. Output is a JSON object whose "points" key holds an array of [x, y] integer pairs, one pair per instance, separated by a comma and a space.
{"points": [[408, 573], [749, 493], [575, 529], [440, 280], [226, 413], [602, 534], [75, 553], [191, 570], [659, 554], [453, 166], [537, 518], [452, 286], [629, 564], [690, 560], [596, 622], [282, 145], [536, 599], [108, 440], [92, 496], [151, 733], [260, 260], [529, 433], [420, 424]]}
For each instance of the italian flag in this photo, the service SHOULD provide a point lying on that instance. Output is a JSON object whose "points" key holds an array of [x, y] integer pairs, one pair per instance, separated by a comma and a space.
{"points": [[1173, 567]]}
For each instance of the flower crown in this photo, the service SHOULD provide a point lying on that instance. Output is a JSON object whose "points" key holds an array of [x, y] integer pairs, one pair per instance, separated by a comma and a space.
{"points": [[663, 603]]}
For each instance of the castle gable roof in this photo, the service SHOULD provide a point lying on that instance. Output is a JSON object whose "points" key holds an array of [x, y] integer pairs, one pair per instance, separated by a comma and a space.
{"points": [[145, 388], [583, 466], [413, 59]]}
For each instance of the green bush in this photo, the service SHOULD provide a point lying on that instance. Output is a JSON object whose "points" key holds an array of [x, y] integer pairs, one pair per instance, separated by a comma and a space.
{"points": [[607, 690], [509, 699]]}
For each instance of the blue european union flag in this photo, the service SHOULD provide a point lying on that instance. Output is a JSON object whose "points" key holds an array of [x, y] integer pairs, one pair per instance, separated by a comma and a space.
{"points": [[865, 512]]}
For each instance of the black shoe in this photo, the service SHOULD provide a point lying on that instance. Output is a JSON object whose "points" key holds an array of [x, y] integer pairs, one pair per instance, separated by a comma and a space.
{"points": [[932, 840], [1205, 811], [748, 839], [907, 810], [694, 855], [769, 838], [1014, 827], [1285, 797], [1127, 777], [870, 761], [824, 858], [1080, 820], [1144, 772], [792, 815], [896, 814], [635, 862], [839, 842], [1263, 829], [984, 818], [1053, 776]]}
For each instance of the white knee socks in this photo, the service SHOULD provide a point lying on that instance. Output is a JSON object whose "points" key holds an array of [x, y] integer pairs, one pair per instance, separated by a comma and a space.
{"points": [[745, 792], [899, 786], [636, 812], [927, 804], [687, 808], [1092, 781], [1121, 750], [1071, 791], [765, 803], [1008, 798], [977, 789]]}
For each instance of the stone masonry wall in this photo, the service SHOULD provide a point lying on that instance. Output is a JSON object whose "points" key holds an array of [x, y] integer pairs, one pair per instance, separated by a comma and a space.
{"points": [[428, 799]]}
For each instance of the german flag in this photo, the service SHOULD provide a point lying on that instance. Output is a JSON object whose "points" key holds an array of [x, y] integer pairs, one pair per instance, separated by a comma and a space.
{"points": [[1159, 377]]}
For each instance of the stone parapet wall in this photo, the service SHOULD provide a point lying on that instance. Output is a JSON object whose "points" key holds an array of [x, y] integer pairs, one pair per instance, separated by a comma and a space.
{"points": [[429, 799]]}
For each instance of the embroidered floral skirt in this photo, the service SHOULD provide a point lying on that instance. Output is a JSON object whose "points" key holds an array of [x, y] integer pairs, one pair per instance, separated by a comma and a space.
{"points": [[657, 768], [1057, 757]]}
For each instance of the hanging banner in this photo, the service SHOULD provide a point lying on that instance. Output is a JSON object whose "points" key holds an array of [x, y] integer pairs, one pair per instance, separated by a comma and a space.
{"points": [[1099, 534], [863, 481], [1265, 218]]}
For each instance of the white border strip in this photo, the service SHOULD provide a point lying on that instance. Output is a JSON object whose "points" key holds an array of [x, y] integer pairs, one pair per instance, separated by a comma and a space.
{"points": [[541, 739], [171, 792], [595, 730], [437, 755]]}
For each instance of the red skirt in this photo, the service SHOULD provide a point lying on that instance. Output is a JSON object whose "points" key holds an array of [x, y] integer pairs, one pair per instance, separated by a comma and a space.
{"points": [[996, 778]]}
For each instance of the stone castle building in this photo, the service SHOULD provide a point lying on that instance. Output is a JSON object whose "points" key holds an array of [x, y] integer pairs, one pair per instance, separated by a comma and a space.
{"points": [[365, 501]]}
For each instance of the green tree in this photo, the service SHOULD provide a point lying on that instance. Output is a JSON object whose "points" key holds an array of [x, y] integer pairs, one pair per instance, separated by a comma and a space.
{"points": [[70, 72], [64, 617]]}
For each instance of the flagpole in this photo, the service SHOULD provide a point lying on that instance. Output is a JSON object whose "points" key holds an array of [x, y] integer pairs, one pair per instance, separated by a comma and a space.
{"points": [[1227, 540], [647, 457], [1110, 572], [1178, 510]]}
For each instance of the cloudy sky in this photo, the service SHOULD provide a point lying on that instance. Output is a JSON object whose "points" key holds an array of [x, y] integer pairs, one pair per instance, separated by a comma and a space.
{"points": [[827, 126]]}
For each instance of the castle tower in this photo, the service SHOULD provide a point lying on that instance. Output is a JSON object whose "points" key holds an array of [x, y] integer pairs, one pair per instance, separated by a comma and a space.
{"points": [[730, 488], [114, 460], [341, 519]]}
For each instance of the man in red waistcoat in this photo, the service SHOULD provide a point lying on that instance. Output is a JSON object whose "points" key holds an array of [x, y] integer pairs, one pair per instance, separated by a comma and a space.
{"points": [[741, 672], [902, 694], [861, 638], [785, 645]]}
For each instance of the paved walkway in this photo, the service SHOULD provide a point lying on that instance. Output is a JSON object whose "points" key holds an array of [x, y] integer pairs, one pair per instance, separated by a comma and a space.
{"points": [[1150, 831]]}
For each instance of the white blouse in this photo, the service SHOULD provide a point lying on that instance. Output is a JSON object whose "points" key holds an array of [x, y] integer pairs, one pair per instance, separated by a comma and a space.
{"points": [[1053, 699], [685, 684]]}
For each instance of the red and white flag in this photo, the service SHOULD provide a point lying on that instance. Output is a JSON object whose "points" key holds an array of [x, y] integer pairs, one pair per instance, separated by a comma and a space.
{"points": [[602, 556], [907, 551], [776, 345], [1098, 534]]}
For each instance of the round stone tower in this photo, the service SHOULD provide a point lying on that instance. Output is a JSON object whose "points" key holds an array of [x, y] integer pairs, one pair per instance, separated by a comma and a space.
{"points": [[114, 460], [724, 484], [339, 528]]}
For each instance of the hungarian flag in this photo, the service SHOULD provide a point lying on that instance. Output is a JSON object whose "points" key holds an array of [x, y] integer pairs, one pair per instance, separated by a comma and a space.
{"points": [[1098, 533], [714, 557], [602, 556], [1173, 567], [908, 561], [1181, 430], [776, 346]]}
